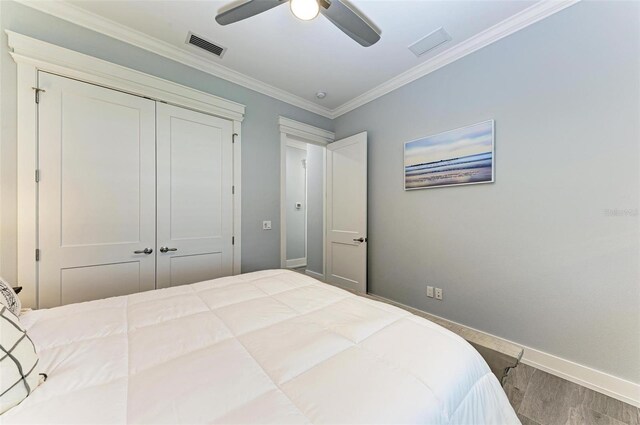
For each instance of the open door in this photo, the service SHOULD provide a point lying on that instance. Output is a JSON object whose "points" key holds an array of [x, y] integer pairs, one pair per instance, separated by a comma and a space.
{"points": [[347, 213]]}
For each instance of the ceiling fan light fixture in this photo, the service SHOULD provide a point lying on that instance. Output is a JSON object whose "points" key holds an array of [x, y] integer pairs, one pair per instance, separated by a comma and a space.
{"points": [[305, 10]]}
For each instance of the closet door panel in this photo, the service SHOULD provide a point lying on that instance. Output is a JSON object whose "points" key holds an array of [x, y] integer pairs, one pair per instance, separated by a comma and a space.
{"points": [[194, 194], [100, 152], [96, 192], [196, 172]]}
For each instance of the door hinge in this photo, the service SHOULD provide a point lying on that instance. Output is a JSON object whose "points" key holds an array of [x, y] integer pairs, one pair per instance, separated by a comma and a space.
{"points": [[37, 254], [37, 176], [233, 137], [37, 93], [233, 240], [233, 190]]}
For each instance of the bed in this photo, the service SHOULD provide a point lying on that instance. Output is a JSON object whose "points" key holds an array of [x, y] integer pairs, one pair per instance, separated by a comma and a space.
{"points": [[268, 347]]}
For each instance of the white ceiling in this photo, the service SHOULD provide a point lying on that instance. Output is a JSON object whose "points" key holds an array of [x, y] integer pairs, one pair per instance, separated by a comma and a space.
{"points": [[305, 57]]}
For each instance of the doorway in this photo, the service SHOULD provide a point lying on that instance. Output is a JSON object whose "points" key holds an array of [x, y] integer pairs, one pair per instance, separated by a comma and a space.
{"points": [[303, 197], [337, 190], [304, 206]]}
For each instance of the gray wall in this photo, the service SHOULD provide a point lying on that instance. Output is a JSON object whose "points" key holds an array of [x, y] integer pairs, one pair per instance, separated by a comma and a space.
{"points": [[260, 131], [315, 207], [535, 257], [296, 188]]}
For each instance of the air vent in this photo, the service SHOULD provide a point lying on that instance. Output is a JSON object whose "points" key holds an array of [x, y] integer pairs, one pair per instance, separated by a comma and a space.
{"points": [[207, 45], [430, 42]]}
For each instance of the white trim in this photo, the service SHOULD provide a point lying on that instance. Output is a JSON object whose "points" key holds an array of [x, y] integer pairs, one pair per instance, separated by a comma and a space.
{"points": [[316, 275], [84, 18], [618, 388], [596, 380], [324, 215], [306, 204], [237, 197], [283, 200], [1, 170], [296, 262], [27, 163], [309, 133], [523, 19], [58, 60]]}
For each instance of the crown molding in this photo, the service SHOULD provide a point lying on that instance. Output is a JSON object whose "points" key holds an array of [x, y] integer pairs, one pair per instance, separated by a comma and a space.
{"points": [[59, 60], [523, 19], [84, 18], [79, 16]]}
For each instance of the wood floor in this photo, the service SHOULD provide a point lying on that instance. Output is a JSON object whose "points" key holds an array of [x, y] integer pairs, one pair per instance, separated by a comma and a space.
{"points": [[543, 399]]}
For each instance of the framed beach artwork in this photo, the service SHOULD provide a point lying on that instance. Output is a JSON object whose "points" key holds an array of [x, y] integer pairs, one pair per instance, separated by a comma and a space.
{"points": [[456, 157]]}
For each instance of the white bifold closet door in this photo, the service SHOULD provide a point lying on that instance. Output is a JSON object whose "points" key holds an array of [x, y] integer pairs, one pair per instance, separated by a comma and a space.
{"points": [[96, 193], [133, 194], [195, 199]]}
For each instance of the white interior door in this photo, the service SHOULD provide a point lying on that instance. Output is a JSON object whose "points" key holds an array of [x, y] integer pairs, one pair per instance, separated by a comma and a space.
{"points": [[96, 192], [195, 199], [347, 213]]}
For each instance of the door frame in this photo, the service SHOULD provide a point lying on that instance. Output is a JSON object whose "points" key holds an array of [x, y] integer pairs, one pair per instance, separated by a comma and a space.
{"points": [[291, 263], [31, 56], [292, 133]]}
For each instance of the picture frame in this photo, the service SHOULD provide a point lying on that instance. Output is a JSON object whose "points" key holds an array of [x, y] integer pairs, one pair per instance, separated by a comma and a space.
{"points": [[457, 157]]}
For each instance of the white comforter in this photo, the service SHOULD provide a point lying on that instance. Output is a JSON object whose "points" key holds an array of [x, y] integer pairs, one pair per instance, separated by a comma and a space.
{"points": [[267, 347]]}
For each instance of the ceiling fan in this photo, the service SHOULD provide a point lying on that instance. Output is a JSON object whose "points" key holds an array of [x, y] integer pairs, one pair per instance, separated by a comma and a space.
{"points": [[339, 12]]}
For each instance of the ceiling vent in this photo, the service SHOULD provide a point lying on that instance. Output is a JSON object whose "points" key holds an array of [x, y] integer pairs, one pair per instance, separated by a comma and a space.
{"points": [[207, 45], [430, 42]]}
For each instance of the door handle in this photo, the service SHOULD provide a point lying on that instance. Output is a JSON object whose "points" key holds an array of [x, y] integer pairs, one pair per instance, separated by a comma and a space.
{"points": [[144, 251], [167, 249], [360, 240]]}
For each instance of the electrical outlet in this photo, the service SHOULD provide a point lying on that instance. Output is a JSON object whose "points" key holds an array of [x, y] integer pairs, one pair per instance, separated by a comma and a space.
{"points": [[266, 225], [438, 293], [430, 291]]}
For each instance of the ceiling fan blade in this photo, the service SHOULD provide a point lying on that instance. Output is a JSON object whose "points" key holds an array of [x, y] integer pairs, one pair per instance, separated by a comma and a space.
{"points": [[349, 21], [246, 10]]}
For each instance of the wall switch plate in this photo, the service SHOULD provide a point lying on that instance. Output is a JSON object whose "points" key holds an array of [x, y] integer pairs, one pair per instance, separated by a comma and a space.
{"points": [[430, 291], [438, 293], [266, 225]]}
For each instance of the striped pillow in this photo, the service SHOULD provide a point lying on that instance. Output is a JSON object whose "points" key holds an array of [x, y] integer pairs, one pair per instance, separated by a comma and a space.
{"points": [[19, 371], [9, 298]]}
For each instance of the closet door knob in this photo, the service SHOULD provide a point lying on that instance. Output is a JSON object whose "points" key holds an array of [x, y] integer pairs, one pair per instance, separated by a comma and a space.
{"points": [[167, 249], [144, 251]]}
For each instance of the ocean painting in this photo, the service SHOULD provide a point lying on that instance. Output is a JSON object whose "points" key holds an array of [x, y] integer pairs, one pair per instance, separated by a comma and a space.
{"points": [[456, 157]]}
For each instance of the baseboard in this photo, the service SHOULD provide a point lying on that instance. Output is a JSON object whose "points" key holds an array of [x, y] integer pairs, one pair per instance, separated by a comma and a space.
{"points": [[618, 388], [296, 262], [596, 380], [317, 275]]}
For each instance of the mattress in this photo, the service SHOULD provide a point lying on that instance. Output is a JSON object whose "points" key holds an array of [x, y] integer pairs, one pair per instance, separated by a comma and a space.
{"points": [[267, 347]]}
